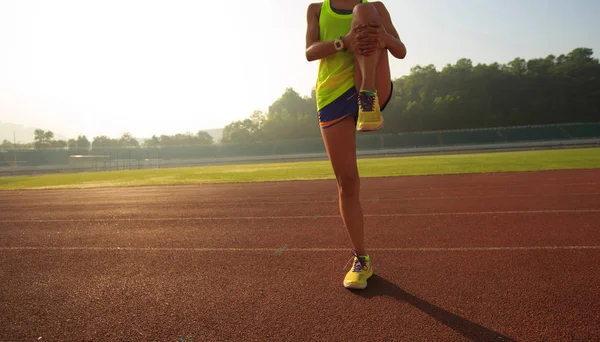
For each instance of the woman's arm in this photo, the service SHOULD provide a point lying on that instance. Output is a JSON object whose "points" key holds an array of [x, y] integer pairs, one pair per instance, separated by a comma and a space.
{"points": [[314, 48], [390, 37]]}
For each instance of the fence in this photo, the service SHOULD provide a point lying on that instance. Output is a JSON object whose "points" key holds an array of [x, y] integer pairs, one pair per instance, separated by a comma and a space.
{"points": [[109, 159]]}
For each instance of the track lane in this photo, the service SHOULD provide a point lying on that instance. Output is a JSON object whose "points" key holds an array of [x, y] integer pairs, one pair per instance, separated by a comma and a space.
{"points": [[433, 280]]}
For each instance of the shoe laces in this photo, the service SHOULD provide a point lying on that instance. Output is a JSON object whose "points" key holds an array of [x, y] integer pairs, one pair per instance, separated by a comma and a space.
{"points": [[366, 101], [360, 262]]}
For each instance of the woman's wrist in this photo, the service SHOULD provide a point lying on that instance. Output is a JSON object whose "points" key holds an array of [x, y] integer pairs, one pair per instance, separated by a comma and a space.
{"points": [[344, 40]]}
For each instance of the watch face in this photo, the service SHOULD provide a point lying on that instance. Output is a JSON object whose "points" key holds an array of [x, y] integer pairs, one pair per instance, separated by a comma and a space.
{"points": [[338, 44]]}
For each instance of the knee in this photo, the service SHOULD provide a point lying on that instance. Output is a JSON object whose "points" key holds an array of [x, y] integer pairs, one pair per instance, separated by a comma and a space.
{"points": [[348, 185], [365, 13]]}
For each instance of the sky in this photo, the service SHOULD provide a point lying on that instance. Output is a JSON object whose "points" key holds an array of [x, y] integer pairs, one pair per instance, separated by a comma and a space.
{"points": [[164, 67]]}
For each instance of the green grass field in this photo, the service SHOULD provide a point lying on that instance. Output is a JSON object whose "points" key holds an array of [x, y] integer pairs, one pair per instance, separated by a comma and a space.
{"points": [[370, 167]]}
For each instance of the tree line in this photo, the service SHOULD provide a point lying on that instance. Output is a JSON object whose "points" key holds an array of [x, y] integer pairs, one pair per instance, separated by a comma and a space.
{"points": [[460, 96], [45, 139], [554, 89]]}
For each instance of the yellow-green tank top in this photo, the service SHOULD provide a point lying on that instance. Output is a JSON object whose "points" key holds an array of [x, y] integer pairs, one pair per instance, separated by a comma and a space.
{"points": [[336, 72]]}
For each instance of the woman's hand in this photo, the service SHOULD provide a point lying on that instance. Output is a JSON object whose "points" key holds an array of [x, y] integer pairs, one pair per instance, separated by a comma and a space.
{"points": [[350, 40], [370, 38]]}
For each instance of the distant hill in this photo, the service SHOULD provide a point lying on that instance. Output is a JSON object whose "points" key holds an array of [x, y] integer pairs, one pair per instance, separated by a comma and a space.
{"points": [[23, 134]]}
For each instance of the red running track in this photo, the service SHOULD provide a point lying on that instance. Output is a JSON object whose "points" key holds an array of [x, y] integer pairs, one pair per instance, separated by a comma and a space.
{"points": [[510, 256]]}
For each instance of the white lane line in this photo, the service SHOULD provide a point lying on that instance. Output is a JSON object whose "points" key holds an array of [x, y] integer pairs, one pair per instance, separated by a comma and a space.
{"points": [[314, 217], [402, 199], [290, 249], [247, 201], [292, 192], [486, 186]]}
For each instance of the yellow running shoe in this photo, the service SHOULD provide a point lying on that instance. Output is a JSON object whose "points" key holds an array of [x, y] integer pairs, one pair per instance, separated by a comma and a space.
{"points": [[369, 112], [362, 269]]}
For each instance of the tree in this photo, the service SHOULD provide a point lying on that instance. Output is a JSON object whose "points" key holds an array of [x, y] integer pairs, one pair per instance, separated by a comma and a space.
{"points": [[72, 144], [60, 144], [153, 142], [544, 90], [292, 103], [203, 138], [39, 135], [462, 95], [127, 140], [244, 131], [289, 117], [48, 136], [43, 139], [83, 142], [180, 139], [258, 118], [102, 142]]}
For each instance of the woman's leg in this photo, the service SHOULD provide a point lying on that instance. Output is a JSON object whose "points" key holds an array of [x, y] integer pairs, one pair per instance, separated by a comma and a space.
{"points": [[383, 81], [372, 73], [340, 143]]}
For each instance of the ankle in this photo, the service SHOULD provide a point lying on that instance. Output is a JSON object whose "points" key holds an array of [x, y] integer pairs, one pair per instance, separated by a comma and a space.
{"points": [[361, 252]]}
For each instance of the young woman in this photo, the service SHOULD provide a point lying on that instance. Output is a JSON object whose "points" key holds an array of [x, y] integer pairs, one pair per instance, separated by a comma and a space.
{"points": [[351, 40]]}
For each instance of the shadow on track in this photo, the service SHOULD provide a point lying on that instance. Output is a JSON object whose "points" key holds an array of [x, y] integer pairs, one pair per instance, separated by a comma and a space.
{"points": [[379, 286]]}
